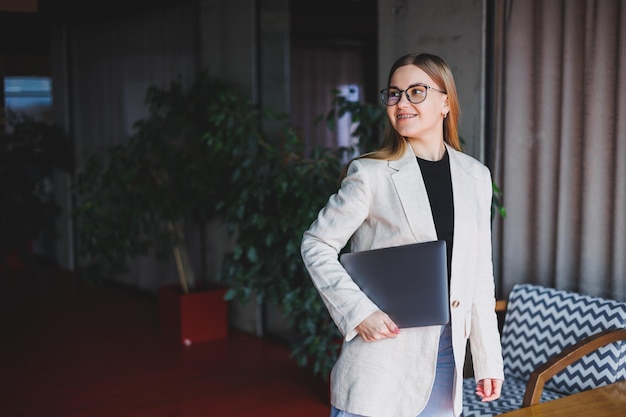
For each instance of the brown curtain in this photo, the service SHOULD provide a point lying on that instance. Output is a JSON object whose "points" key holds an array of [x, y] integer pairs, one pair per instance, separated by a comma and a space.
{"points": [[561, 145], [315, 72]]}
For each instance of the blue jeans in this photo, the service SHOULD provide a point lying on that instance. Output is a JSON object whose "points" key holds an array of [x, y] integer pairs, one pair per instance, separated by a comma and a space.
{"points": [[440, 403]]}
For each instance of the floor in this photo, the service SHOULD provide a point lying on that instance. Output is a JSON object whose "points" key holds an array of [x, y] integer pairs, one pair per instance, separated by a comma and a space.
{"points": [[68, 349]]}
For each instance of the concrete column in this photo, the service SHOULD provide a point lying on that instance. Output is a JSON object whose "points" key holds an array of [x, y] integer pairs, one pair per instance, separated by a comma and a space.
{"points": [[228, 41], [274, 63], [64, 248]]}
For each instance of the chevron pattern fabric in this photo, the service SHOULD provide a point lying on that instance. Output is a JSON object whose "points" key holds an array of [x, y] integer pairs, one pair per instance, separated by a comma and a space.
{"points": [[539, 323], [511, 399]]}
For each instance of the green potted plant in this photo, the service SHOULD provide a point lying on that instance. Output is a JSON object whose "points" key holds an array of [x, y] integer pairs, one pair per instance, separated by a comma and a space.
{"points": [[277, 202], [30, 151], [174, 171]]}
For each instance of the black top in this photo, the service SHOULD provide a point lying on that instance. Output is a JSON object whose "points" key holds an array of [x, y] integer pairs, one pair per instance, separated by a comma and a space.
{"points": [[439, 188]]}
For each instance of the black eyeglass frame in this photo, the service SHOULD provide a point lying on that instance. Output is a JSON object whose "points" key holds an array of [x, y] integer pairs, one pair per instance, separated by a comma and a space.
{"points": [[385, 92]]}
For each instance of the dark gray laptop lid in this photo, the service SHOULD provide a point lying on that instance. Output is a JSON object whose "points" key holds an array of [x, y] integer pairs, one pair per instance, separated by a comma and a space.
{"points": [[409, 282]]}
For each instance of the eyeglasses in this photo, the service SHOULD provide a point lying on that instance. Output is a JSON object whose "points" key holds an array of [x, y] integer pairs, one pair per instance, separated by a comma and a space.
{"points": [[415, 94]]}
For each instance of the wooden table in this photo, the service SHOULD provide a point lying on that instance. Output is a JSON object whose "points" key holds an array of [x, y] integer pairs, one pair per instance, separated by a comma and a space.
{"points": [[607, 401]]}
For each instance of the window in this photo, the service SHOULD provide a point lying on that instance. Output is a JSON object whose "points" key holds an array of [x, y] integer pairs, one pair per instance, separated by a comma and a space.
{"points": [[28, 95]]}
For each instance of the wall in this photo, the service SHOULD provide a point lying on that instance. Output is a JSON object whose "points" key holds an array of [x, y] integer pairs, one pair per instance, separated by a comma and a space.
{"points": [[452, 29]]}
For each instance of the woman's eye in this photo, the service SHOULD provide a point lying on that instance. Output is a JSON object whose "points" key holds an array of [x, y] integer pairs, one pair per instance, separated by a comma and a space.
{"points": [[416, 91]]}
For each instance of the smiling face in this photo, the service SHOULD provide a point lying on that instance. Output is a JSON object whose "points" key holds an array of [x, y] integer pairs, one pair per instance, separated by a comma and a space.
{"points": [[422, 123]]}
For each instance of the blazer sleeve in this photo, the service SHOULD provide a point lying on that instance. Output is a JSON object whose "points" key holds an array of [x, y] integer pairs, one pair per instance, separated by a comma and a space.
{"points": [[344, 212], [484, 337]]}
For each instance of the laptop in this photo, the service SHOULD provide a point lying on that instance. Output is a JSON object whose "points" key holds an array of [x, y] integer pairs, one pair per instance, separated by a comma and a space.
{"points": [[409, 282]]}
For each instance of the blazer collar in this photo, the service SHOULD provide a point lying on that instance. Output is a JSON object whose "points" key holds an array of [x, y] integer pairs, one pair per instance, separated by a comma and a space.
{"points": [[409, 184], [411, 190]]}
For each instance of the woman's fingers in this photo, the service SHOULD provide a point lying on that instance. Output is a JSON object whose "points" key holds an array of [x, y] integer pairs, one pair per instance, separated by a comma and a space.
{"points": [[377, 326], [489, 389]]}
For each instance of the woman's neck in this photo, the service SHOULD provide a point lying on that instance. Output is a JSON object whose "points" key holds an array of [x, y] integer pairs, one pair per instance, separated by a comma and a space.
{"points": [[428, 151]]}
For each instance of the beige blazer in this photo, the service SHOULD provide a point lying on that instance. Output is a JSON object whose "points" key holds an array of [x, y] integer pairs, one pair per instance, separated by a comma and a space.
{"points": [[382, 204]]}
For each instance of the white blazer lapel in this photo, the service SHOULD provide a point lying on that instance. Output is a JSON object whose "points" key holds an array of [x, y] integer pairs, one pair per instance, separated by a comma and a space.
{"points": [[412, 193], [465, 209]]}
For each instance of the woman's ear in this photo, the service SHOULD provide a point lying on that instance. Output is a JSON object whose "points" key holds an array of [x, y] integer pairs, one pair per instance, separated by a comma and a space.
{"points": [[446, 108]]}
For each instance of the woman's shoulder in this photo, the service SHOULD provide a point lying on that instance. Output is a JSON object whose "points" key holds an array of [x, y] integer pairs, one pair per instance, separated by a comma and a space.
{"points": [[367, 163], [468, 163]]}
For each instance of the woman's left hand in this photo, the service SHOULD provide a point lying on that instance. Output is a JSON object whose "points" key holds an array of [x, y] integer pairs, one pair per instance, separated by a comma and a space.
{"points": [[489, 389], [376, 326]]}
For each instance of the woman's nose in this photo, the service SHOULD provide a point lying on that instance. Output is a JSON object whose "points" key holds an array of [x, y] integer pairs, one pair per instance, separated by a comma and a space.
{"points": [[404, 101]]}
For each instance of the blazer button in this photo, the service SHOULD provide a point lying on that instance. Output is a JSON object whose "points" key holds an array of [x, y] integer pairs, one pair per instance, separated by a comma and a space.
{"points": [[456, 303]]}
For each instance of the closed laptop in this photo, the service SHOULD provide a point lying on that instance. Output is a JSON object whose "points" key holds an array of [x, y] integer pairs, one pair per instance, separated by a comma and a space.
{"points": [[409, 282]]}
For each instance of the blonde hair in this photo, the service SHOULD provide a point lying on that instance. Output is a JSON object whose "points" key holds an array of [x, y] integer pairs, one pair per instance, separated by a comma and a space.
{"points": [[394, 145]]}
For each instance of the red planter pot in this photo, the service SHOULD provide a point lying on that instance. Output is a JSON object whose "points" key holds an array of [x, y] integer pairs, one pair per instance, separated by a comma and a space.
{"points": [[192, 318]]}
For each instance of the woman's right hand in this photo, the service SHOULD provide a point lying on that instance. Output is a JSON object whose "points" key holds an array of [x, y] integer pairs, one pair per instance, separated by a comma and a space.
{"points": [[377, 326]]}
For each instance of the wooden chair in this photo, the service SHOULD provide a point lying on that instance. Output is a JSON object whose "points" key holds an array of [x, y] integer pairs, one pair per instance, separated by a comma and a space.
{"points": [[564, 359], [554, 343]]}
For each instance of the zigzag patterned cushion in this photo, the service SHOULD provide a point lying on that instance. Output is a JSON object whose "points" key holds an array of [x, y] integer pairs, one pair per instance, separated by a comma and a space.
{"points": [[511, 399], [539, 323]]}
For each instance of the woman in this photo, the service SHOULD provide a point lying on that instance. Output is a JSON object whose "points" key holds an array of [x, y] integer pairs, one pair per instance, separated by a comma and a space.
{"points": [[418, 187]]}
